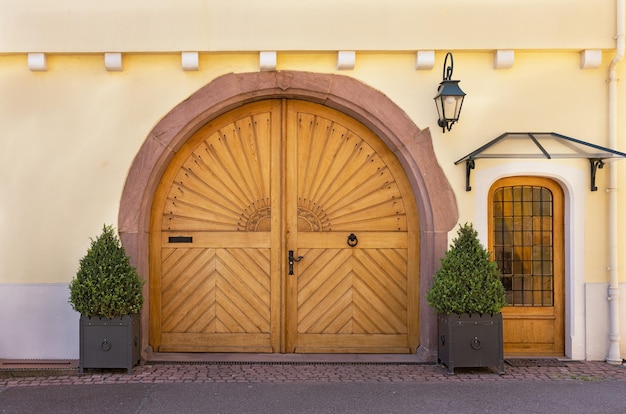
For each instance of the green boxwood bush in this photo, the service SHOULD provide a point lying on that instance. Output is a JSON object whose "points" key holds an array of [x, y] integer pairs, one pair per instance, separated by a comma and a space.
{"points": [[106, 284], [467, 281]]}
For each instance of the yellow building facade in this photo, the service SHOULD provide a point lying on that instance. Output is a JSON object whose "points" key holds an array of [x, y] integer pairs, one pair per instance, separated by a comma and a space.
{"points": [[100, 105]]}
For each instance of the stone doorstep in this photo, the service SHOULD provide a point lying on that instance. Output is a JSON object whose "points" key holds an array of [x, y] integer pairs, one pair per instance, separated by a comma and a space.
{"points": [[282, 358]]}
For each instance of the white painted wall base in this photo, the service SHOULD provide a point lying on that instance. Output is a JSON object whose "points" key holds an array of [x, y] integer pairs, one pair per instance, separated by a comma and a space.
{"points": [[598, 323], [37, 322]]}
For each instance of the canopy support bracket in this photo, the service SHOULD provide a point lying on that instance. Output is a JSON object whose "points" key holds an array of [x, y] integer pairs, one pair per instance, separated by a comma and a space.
{"points": [[595, 164], [469, 166]]}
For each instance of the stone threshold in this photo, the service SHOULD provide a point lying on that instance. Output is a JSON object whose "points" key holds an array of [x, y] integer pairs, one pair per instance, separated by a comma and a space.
{"points": [[198, 358]]}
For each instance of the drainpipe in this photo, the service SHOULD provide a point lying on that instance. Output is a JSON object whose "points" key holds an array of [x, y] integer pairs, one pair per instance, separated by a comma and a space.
{"points": [[614, 357]]}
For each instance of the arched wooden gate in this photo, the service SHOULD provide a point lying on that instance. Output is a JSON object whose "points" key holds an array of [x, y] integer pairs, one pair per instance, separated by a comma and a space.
{"points": [[270, 181]]}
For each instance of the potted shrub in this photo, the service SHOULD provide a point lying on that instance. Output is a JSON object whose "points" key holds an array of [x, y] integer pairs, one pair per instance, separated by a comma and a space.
{"points": [[468, 295], [107, 292]]}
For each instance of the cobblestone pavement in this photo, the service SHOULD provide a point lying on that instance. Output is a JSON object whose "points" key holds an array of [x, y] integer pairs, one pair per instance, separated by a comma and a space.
{"points": [[250, 372]]}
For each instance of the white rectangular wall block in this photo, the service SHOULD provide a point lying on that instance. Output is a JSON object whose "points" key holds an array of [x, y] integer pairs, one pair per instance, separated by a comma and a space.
{"points": [[503, 59], [346, 59], [597, 321], [37, 322], [267, 61], [37, 62], [425, 60], [113, 62], [190, 60], [590, 59]]}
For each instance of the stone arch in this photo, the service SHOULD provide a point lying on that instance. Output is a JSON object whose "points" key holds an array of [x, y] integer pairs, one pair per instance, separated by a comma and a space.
{"points": [[435, 199]]}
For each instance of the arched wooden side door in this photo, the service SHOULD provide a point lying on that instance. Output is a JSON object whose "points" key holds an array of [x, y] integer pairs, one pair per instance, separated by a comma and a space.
{"points": [[526, 237], [264, 180]]}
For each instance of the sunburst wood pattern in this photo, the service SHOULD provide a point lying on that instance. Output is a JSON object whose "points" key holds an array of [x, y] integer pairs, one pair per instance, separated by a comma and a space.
{"points": [[342, 180], [224, 184], [343, 184]]}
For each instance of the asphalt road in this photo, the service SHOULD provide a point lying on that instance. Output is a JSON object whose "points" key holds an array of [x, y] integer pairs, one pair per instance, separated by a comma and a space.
{"points": [[593, 396]]}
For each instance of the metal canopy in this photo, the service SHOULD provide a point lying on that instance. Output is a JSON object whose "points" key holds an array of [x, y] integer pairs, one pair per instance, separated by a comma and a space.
{"points": [[543, 145]]}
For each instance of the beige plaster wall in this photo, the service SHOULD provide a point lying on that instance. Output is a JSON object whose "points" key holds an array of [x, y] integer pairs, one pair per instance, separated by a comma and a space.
{"points": [[70, 134], [248, 25]]}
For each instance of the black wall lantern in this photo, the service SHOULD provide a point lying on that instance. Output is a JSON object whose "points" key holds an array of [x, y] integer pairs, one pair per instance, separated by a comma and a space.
{"points": [[449, 99]]}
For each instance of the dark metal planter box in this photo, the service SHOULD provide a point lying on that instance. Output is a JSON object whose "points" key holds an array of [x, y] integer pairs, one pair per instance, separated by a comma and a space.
{"points": [[109, 343], [471, 340]]}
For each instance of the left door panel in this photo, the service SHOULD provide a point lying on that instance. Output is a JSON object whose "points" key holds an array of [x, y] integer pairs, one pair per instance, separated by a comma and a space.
{"points": [[213, 279]]}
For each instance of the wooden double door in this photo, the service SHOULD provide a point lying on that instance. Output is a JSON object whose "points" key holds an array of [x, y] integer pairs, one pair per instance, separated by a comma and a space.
{"points": [[270, 181]]}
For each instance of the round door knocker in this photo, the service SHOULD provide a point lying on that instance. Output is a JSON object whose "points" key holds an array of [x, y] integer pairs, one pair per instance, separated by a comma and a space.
{"points": [[476, 343], [105, 345], [352, 240]]}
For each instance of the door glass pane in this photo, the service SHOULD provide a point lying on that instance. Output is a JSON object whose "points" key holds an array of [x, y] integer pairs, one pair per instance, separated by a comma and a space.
{"points": [[523, 243]]}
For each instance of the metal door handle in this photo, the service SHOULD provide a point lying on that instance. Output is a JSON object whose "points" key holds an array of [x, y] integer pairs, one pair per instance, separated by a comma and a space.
{"points": [[293, 259]]}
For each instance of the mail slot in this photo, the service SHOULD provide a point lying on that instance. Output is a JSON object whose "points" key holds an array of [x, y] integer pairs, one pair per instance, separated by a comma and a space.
{"points": [[180, 239]]}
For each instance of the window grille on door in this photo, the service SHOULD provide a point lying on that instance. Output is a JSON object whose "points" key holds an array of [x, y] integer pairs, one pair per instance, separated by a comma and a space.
{"points": [[523, 243]]}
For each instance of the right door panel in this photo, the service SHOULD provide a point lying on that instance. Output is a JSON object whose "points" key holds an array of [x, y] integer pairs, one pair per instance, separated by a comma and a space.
{"points": [[352, 217]]}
